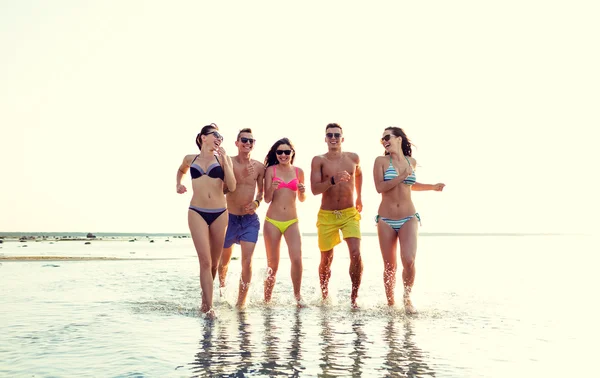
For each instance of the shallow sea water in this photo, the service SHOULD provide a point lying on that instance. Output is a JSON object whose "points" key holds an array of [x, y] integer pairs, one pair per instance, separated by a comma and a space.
{"points": [[489, 306]]}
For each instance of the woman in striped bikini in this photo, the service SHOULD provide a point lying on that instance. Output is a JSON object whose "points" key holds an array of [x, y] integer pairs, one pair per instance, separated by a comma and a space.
{"points": [[211, 169], [394, 175]]}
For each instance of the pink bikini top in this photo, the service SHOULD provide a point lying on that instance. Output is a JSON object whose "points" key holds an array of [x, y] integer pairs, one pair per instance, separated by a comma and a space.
{"points": [[292, 184]]}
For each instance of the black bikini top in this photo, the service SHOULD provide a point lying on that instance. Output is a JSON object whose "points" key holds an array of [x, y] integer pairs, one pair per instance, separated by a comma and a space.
{"points": [[213, 171]]}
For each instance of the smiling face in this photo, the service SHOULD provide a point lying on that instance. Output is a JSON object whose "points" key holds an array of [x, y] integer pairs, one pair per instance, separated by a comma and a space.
{"points": [[212, 139], [245, 142], [390, 141], [334, 137], [284, 153]]}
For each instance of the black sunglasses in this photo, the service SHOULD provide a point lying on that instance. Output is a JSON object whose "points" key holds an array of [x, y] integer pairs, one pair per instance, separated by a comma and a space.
{"points": [[331, 135], [281, 152], [246, 140], [387, 138], [216, 134]]}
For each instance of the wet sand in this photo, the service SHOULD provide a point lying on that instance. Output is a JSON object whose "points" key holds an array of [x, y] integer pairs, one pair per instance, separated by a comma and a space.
{"points": [[74, 258]]}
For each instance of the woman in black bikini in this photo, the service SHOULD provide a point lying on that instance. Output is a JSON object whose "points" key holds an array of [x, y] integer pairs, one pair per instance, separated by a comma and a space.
{"points": [[211, 169]]}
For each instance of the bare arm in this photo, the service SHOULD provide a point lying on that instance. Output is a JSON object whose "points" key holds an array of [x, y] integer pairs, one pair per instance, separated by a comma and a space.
{"points": [[358, 178], [301, 187], [260, 183], [316, 185], [229, 175], [417, 186], [183, 168], [269, 188], [383, 186]]}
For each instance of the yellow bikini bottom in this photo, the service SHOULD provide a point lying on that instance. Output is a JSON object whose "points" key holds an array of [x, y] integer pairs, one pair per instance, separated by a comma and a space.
{"points": [[281, 225]]}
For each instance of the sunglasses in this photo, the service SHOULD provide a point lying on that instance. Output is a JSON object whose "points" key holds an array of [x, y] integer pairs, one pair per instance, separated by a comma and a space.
{"points": [[281, 152], [331, 135], [216, 134], [386, 138], [247, 140]]}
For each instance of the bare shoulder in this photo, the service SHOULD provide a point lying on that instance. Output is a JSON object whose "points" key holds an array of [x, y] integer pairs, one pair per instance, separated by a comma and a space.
{"points": [[258, 164], [189, 158], [381, 159], [318, 160], [353, 156], [413, 161]]}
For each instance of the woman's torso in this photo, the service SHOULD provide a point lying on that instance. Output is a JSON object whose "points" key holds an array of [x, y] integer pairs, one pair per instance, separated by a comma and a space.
{"points": [[283, 204], [207, 176], [397, 202]]}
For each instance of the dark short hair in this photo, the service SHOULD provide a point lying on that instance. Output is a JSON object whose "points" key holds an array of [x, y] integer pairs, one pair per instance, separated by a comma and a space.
{"points": [[244, 130], [333, 125]]}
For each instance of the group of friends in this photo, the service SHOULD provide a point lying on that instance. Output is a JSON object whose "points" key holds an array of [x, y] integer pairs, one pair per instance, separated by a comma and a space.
{"points": [[228, 190]]}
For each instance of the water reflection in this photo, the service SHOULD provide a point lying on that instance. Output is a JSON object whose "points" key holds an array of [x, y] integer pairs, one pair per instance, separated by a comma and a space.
{"points": [[295, 348], [359, 350], [215, 355], [244, 334], [404, 358], [271, 342]]}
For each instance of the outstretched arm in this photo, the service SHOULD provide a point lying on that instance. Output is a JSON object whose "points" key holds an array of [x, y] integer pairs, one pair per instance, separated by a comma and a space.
{"points": [[417, 186]]}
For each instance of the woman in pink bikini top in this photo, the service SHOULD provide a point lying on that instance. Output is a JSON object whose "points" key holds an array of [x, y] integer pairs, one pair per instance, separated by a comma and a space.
{"points": [[284, 183]]}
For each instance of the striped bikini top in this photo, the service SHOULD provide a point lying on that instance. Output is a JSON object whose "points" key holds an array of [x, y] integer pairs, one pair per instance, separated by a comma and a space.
{"points": [[391, 173]]}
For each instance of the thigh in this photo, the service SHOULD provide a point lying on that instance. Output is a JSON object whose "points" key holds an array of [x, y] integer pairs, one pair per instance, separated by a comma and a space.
{"points": [[293, 240], [351, 227], [408, 240], [217, 235], [199, 232], [250, 230], [272, 237], [388, 239]]}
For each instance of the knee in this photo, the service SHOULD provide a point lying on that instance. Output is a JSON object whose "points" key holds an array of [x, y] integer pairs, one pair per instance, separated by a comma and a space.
{"points": [[390, 268], [408, 263], [296, 261]]}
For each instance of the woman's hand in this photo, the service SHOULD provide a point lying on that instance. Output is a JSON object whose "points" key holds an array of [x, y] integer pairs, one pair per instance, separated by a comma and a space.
{"points": [[181, 189], [301, 188], [438, 187]]}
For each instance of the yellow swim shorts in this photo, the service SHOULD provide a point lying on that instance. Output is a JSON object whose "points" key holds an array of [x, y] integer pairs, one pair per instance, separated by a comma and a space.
{"points": [[330, 222]]}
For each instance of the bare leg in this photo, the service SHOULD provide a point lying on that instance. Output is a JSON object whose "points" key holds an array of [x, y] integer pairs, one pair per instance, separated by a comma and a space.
{"points": [[325, 271], [246, 276], [294, 243], [217, 236], [408, 252], [388, 239], [199, 231], [224, 265], [272, 243], [356, 267]]}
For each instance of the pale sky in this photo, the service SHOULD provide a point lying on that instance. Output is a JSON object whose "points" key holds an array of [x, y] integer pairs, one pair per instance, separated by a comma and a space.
{"points": [[100, 101]]}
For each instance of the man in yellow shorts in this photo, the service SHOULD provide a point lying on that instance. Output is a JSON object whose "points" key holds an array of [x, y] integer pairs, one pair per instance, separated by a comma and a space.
{"points": [[335, 175]]}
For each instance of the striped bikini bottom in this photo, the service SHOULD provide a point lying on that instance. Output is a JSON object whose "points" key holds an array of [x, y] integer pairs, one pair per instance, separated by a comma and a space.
{"points": [[396, 224]]}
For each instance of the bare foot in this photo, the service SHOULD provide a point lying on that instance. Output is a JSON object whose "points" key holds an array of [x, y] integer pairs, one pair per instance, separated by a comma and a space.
{"points": [[409, 309], [210, 314], [354, 305], [300, 303]]}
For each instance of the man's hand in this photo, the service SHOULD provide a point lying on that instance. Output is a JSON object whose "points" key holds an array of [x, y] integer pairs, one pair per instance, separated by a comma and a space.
{"points": [[359, 206]]}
